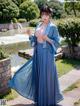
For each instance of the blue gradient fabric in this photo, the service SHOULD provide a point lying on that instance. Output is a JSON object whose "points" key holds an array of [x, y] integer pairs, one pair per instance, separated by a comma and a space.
{"points": [[37, 79]]}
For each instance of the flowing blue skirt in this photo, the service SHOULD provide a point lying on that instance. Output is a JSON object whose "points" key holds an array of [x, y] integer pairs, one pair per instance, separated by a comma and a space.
{"points": [[37, 79]]}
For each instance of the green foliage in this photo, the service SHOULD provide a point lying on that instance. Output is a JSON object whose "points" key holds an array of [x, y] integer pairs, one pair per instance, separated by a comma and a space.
{"points": [[21, 20], [14, 20], [2, 54], [8, 10], [68, 65], [40, 2], [57, 8], [18, 2], [70, 29], [33, 23], [72, 7], [10, 96], [29, 10]]}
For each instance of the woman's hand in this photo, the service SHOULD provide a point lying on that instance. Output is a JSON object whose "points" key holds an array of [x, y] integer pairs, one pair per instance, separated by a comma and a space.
{"points": [[28, 32], [45, 38]]}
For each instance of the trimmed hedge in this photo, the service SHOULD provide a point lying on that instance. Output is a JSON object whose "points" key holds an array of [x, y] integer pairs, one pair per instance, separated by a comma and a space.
{"points": [[22, 20], [29, 10], [34, 22]]}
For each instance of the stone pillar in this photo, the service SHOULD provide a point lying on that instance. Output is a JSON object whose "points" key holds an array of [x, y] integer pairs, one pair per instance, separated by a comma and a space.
{"points": [[5, 75]]}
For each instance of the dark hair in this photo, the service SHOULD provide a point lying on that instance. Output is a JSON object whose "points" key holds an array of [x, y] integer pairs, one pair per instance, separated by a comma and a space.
{"points": [[45, 8]]}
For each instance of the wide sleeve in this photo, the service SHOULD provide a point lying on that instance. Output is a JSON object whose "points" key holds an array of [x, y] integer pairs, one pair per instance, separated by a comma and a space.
{"points": [[55, 38], [33, 40]]}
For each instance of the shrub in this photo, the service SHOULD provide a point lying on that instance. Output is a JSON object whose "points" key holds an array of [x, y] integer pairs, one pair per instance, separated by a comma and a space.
{"points": [[70, 30], [21, 20], [33, 23], [8, 10], [3, 55], [29, 10], [14, 20]]}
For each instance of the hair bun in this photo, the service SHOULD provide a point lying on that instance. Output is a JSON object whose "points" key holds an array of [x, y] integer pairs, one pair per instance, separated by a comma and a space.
{"points": [[46, 8]]}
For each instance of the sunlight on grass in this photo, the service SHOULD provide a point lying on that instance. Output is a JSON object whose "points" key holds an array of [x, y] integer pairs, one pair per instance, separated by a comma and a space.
{"points": [[13, 94], [73, 86], [66, 65]]}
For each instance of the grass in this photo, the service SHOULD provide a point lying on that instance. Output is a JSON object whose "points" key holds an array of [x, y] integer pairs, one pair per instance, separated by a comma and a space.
{"points": [[65, 65], [73, 86], [13, 94], [14, 48]]}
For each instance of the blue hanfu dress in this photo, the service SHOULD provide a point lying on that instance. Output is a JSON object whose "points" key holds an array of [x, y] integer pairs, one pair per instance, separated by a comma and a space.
{"points": [[37, 79]]}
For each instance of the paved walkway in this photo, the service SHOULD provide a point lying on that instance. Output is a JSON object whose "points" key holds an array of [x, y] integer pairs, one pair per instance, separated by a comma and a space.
{"points": [[65, 81], [71, 97], [69, 78]]}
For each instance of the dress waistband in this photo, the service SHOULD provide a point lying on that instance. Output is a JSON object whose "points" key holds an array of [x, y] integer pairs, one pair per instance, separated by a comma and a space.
{"points": [[40, 43]]}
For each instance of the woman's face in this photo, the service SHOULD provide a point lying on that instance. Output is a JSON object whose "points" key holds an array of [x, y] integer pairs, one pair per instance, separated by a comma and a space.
{"points": [[45, 17]]}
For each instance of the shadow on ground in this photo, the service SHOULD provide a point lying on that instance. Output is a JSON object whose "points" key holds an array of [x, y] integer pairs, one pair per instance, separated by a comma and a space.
{"points": [[24, 105], [30, 105]]}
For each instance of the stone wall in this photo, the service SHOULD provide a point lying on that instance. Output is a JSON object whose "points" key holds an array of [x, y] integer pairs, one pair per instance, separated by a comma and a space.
{"points": [[9, 26], [71, 54], [5, 75]]}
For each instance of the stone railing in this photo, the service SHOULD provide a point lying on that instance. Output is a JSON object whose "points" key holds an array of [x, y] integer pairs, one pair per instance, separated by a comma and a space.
{"points": [[29, 53]]}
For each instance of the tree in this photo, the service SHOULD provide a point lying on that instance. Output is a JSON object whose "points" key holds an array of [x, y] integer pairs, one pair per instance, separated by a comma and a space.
{"points": [[18, 2], [8, 10], [29, 10], [72, 7], [40, 2], [70, 30], [57, 8]]}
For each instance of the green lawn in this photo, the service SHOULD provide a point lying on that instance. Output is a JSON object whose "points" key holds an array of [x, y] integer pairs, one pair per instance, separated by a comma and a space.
{"points": [[13, 94], [66, 65], [14, 48]]}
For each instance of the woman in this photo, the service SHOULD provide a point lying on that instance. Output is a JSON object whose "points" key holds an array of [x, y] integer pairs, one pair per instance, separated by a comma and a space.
{"points": [[37, 79]]}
